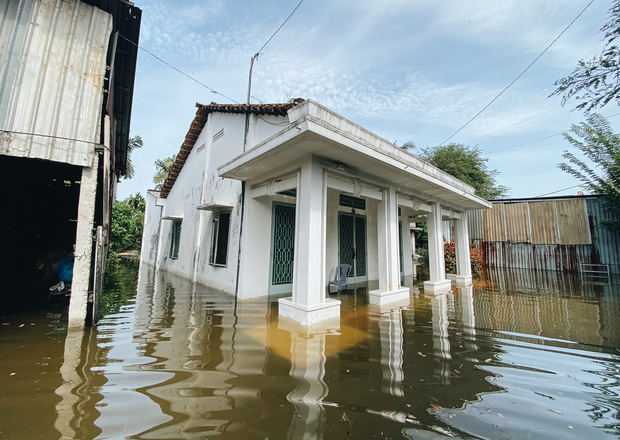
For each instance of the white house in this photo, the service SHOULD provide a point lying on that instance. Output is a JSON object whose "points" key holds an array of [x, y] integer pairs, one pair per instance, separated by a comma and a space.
{"points": [[267, 199]]}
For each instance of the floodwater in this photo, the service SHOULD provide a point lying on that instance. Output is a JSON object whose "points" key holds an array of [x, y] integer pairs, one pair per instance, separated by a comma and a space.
{"points": [[520, 355]]}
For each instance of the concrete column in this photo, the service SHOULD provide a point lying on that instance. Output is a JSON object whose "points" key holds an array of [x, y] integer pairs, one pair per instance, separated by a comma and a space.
{"points": [[388, 251], [308, 303], [78, 306], [436, 261], [461, 244]]}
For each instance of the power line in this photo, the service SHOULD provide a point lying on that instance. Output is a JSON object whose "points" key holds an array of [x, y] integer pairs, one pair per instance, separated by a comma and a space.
{"points": [[515, 124], [519, 76], [541, 139], [179, 70], [560, 190], [278, 30]]}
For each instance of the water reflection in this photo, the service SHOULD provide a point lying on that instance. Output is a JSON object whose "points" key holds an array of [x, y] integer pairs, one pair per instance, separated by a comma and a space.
{"points": [[534, 359]]}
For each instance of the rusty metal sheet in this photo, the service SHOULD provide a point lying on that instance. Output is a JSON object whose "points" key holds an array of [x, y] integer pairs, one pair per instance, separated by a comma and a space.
{"points": [[572, 218], [493, 220], [517, 223], [51, 79], [474, 223], [543, 221]]}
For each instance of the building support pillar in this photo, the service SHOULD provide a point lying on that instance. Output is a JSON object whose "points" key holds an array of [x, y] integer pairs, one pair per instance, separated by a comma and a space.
{"points": [[436, 262], [390, 288], [308, 303], [78, 306], [461, 244]]}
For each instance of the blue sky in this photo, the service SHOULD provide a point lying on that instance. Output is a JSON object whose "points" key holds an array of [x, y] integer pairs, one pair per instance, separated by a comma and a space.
{"points": [[405, 70]]}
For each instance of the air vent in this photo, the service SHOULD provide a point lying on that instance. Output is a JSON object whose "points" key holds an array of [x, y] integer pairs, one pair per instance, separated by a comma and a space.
{"points": [[218, 135], [202, 147]]}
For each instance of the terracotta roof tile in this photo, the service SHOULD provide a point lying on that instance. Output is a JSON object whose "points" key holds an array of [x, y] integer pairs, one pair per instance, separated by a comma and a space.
{"points": [[200, 120]]}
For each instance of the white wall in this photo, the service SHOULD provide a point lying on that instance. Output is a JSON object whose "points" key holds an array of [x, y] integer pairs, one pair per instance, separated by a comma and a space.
{"points": [[198, 184], [150, 232]]}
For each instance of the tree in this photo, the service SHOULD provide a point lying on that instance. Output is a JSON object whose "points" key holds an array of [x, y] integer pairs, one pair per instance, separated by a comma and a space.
{"points": [[127, 223], [596, 82], [162, 169], [468, 165], [596, 140], [134, 143]]}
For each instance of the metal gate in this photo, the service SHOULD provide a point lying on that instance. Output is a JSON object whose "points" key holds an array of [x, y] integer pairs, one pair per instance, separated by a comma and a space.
{"points": [[352, 233], [282, 248]]}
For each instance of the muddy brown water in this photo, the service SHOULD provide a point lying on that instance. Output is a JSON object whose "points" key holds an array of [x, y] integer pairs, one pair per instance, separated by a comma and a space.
{"points": [[518, 356]]}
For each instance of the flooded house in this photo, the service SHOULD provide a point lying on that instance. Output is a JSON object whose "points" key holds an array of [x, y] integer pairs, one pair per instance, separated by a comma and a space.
{"points": [[66, 85], [268, 199]]}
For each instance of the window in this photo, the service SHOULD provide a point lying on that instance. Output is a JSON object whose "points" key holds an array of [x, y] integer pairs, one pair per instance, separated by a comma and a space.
{"points": [[175, 238], [219, 239], [352, 202]]}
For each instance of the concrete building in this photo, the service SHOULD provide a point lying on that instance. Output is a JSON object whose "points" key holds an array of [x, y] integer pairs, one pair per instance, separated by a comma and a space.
{"points": [[66, 84], [268, 199]]}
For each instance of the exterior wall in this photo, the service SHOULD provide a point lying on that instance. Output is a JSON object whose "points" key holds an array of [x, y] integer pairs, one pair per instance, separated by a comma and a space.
{"points": [[548, 246], [52, 68], [198, 183], [150, 234]]}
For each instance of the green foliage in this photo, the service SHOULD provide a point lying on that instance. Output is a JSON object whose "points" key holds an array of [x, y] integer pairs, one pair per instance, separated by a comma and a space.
{"points": [[468, 165], [162, 169], [135, 142], [596, 82], [600, 145], [127, 222]]}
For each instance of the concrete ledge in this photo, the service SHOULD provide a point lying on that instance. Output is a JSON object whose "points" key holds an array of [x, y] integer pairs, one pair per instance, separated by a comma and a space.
{"points": [[461, 280], [437, 286], [307, 315], [378, 297]]}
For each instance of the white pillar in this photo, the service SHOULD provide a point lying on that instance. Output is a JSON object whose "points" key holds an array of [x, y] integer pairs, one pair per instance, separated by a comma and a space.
{"points": [[436, 262], [461, 244], [78, 305], [388, 252], [308, 303]]}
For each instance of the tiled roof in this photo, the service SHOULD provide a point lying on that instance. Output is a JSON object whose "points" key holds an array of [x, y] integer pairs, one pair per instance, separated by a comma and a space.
{"points": [[201, 119]]}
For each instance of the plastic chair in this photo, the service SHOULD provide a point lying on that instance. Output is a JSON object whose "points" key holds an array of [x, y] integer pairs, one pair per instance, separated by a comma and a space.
{"points": [[340, 277]]}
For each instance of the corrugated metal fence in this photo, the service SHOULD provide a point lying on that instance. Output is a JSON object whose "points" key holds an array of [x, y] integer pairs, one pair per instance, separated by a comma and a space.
{"points": [[549, 234]]}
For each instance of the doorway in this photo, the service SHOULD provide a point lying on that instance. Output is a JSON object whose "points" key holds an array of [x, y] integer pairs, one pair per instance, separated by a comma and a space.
{"points": [[352, 244], [282, 248]]}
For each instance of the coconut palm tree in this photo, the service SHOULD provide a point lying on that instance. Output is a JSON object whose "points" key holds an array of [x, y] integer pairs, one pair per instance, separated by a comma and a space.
{"points": [[162, 169], [134, 143]]}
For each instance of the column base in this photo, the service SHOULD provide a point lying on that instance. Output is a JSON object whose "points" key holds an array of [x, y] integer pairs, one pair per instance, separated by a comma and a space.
{"points": [[437, 287], [460, 280], [379, 297], [306, 315]]}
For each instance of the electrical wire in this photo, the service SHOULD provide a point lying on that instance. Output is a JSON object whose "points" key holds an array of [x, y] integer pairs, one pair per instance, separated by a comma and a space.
{"points": [[278, 30], [559, 190], [513, 125], [538, 140], [54, 137], [519, 76], [212, 90]]}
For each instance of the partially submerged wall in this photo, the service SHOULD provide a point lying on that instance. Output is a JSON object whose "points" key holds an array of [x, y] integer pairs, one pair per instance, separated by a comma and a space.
{"points": [[547, 234]]}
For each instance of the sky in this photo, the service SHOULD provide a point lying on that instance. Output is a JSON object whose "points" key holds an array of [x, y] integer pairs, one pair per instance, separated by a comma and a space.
{"points": [[408, 71]]}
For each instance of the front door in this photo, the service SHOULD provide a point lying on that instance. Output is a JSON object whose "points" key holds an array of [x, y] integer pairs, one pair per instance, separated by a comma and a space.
{"points": [[352, 247], [282, 248]]}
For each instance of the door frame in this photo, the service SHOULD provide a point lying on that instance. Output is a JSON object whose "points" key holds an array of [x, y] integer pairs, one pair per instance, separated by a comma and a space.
{"points": [[279, 288], [355, 279]]}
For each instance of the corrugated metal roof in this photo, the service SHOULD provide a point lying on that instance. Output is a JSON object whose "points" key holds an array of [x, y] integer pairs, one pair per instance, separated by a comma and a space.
{"points": [[53, 65], [201, 119]]}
